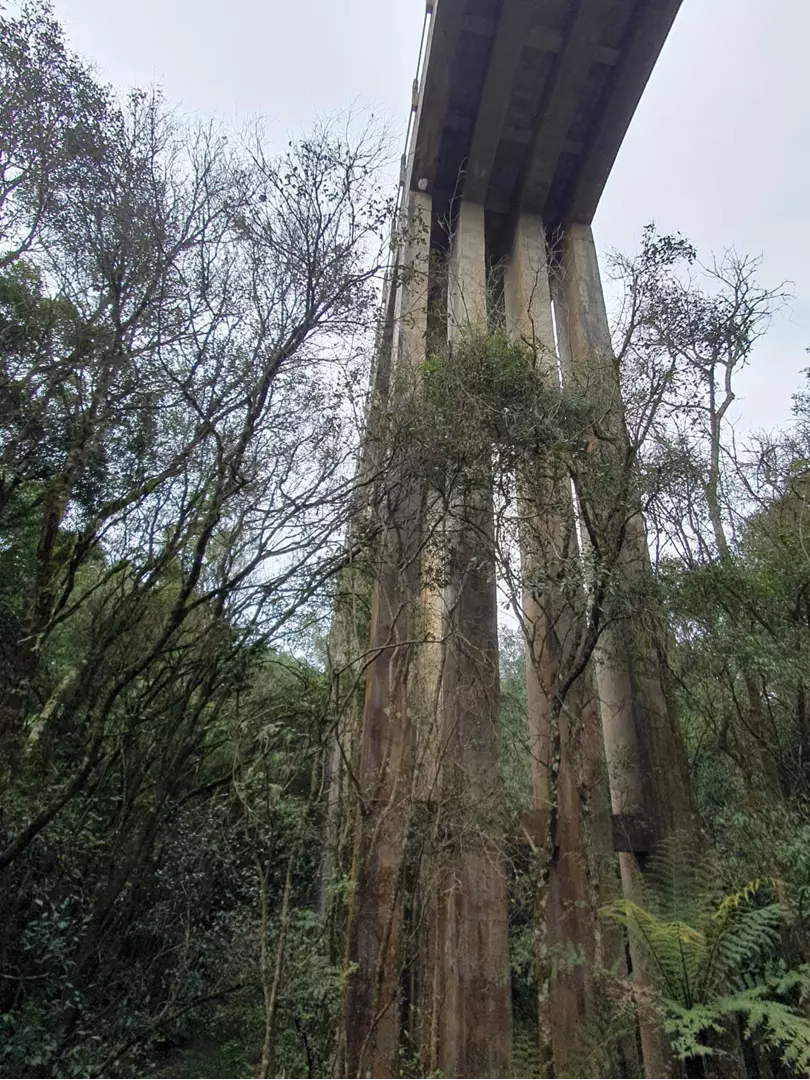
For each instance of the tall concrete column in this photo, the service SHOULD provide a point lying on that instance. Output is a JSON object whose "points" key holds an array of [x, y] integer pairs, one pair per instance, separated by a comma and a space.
{"points": [[386, 759], [646, 761], [649, 781], [426, 698], [428, 669], [527, 302], [348, 634], [571, 797], [474, 1018]]}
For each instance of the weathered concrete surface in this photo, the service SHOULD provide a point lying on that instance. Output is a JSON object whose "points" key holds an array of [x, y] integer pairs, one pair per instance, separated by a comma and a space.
{"points": [[385, 765], [642, 741], [583, 870], [527, 303], [474, 1014], [646, 761], [348, 634]]}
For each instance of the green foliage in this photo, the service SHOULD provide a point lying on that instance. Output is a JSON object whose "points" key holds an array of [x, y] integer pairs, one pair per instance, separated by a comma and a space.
{"points": [[514, 724], [411, 1067], [310, 1000], [766, 1020], [174, 448], [185, 928], [487, 391], [487, 373], [715, 956], [527, 1058]]}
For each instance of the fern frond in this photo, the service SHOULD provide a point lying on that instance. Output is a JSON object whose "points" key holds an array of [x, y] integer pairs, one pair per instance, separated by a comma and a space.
{"points": [[743, 896], [739, 938], [675, 948], [773, 1023], [686, 1027], [703, 951], [676, 884]]}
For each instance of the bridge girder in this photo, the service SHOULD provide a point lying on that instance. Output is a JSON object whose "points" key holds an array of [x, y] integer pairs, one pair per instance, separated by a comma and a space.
{"points": [[524, 104]]}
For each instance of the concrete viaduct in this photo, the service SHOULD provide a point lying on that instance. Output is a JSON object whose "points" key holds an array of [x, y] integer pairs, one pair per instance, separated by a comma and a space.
{"points": [[523, 104], [518, 116]]}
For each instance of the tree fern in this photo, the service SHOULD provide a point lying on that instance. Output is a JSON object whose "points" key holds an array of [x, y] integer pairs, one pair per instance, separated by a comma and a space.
{"points": [[527, 1058], [714, 956]]}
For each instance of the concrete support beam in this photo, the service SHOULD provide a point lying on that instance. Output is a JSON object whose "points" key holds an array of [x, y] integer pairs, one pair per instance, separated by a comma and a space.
{"points": [[467, 275], [588, 364], [639, 724], [474, 1015], [445, 29], [386, 760], [636, 62], [588, 60], [348, 632], [559, 107], [540, 38], [527, 301], [510, 38], [527, 294]]}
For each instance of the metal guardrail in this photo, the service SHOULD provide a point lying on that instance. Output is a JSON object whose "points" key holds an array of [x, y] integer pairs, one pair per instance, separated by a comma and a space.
{"points": [[417, 82]]}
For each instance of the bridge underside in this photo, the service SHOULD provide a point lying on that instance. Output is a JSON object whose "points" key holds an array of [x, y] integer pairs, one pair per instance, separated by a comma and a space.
{"points": [[520, 114], [524, 103]]}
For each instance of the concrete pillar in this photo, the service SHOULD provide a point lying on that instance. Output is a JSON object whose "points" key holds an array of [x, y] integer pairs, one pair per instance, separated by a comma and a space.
{"points": [[426, 696], [348, 634], [527, 302], [386, 759], [648, 777], [582, 873], [467, 275], [643, 745], [474, 1014]]}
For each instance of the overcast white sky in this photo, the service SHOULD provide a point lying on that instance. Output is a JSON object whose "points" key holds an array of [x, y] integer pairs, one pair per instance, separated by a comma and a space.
{"points": [[718, 149]]}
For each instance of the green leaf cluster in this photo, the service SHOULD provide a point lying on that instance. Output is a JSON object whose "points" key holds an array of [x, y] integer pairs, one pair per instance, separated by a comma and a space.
{"points": [[715, 956]]}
